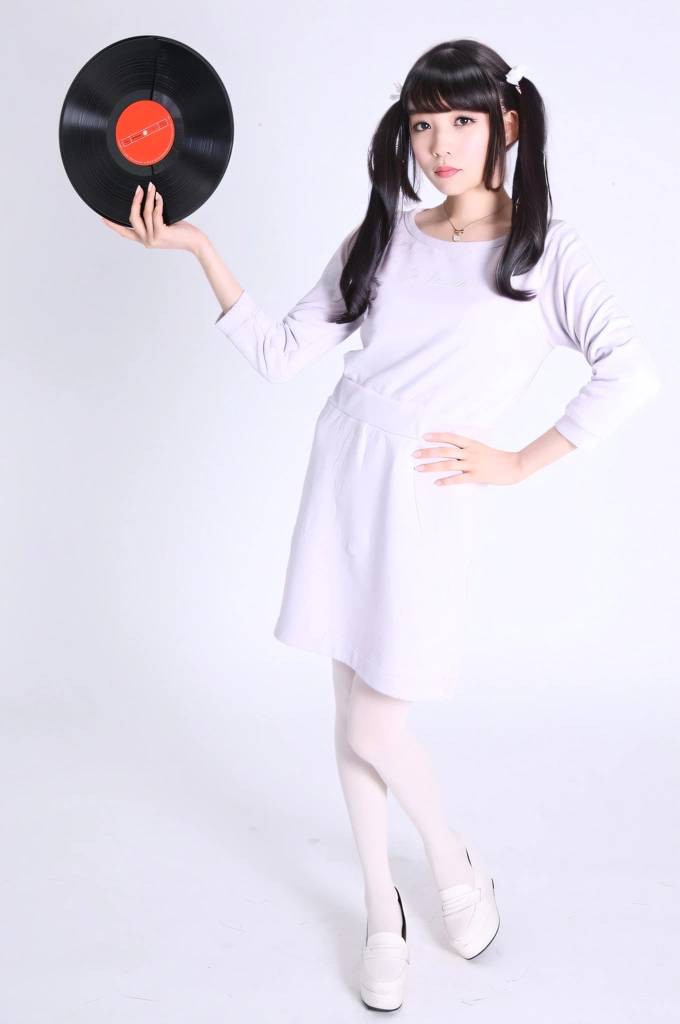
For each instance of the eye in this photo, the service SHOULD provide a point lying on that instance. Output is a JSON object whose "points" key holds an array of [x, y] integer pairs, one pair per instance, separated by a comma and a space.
{"points": [[461, 117]]}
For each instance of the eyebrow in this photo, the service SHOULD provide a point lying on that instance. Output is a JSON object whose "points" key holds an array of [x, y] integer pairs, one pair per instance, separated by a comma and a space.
{"points": [[456, 110]]}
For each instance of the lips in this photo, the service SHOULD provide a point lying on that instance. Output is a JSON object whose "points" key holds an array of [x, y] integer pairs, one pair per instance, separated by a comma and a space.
{"points": [[446, 172]]}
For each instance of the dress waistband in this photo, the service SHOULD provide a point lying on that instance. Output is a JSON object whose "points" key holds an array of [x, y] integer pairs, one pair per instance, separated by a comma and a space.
{"points": [[395, 417]]}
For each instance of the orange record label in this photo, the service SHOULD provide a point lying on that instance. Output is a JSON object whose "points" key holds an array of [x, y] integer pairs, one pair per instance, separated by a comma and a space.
{"points": [[145, 132]]}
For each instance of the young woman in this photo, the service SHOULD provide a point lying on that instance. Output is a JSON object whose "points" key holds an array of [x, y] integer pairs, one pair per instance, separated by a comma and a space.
{"points": [[458, 307]]}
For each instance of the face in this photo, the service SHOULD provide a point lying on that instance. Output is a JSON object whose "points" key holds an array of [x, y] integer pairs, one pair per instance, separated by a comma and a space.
{"points": [[456, 138]]}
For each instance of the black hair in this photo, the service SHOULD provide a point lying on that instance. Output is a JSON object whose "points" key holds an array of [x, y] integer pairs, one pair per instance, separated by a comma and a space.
{"points": [[460, 75]]}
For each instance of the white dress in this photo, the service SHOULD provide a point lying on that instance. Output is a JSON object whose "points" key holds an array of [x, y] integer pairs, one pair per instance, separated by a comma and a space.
{"points": [[380, 557]]}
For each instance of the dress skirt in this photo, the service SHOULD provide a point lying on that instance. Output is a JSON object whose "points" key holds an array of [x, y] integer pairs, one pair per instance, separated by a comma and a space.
{"points": [[380, 557]]}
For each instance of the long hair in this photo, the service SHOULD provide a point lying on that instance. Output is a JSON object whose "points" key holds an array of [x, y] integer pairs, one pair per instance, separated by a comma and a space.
{"points": [[459, 75]]}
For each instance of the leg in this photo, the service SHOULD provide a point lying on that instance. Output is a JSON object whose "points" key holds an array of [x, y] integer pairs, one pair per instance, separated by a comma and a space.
{"points": [[366, 798], [378, 733]]}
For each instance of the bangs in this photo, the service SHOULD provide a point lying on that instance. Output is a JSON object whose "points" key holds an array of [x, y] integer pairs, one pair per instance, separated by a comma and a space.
{"points": [[435, 90]]}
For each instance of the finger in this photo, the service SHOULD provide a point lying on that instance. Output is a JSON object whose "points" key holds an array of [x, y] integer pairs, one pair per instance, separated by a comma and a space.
{"points": [[125, 232], [430, 453], [148, 213], [135, 215], [448, 437], [437, 467], [158, 215], [459, 478]]}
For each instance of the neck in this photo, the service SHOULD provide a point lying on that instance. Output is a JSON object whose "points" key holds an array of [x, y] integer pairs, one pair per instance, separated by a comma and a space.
{"points": [[468, 208]]}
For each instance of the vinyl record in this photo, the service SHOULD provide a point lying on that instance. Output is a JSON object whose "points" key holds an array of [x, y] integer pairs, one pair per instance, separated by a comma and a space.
{"points": [[146, 108]]}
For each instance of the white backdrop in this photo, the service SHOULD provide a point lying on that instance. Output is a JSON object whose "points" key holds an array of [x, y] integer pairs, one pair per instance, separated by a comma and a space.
{"points": [[175, 846]]}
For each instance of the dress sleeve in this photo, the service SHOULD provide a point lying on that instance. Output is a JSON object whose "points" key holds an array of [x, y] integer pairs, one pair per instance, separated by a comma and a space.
{"points": [[581, 313], [280, 349]]}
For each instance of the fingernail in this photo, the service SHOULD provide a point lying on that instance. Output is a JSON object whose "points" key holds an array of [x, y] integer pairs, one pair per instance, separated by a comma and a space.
{"points": [[138, 189], [149, 186], [427, 436]]}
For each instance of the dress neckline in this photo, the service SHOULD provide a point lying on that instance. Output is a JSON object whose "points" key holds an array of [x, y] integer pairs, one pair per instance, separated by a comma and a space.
{"points": [[422, 236]]}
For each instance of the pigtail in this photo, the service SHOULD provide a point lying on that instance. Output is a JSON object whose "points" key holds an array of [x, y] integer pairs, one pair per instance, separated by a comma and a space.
{"points": [[388, 157], [532, 199]]}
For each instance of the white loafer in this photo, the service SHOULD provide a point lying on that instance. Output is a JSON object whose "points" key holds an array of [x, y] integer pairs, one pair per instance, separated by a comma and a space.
{"points": [[384, 967], [471, 916]]}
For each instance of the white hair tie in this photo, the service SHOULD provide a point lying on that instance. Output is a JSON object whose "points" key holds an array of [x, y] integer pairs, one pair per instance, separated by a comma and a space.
{"points": [[515, 74], [397, 95]]}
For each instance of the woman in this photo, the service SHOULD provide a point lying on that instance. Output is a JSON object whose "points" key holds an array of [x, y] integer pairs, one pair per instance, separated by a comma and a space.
{"points": [[458, 305]]}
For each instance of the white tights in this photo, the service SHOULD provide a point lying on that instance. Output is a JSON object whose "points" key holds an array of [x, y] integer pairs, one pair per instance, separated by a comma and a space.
{"points": [[375, 752]]}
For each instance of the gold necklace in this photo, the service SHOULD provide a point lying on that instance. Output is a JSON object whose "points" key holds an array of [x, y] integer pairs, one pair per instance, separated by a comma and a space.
{"points": [[457, 232]]}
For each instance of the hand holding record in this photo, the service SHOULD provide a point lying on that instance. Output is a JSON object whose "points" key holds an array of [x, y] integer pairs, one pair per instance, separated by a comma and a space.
{"points": [[150, 229], [151, 109]]}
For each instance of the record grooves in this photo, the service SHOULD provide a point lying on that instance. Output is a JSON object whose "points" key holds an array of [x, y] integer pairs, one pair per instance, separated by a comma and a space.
{"points": [[146, 108]]}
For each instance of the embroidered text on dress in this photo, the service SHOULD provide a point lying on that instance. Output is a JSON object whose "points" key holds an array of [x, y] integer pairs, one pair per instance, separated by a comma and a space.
{"points": [[440, 279]]}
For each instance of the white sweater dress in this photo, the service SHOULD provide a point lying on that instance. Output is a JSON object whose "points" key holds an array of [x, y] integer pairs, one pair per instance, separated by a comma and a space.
{"points": [[380, 556]]}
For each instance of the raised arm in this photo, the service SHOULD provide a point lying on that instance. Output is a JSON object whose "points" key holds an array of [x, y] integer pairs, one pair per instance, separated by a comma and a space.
{"points": [[225, 286], [278, 350]]}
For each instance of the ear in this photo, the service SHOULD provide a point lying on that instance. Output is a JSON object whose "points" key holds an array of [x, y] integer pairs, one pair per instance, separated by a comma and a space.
{"points": [[511, 119]]}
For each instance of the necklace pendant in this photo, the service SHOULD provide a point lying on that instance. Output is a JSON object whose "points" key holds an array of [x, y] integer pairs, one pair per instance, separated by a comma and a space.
{"points": [[456, 237]]}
